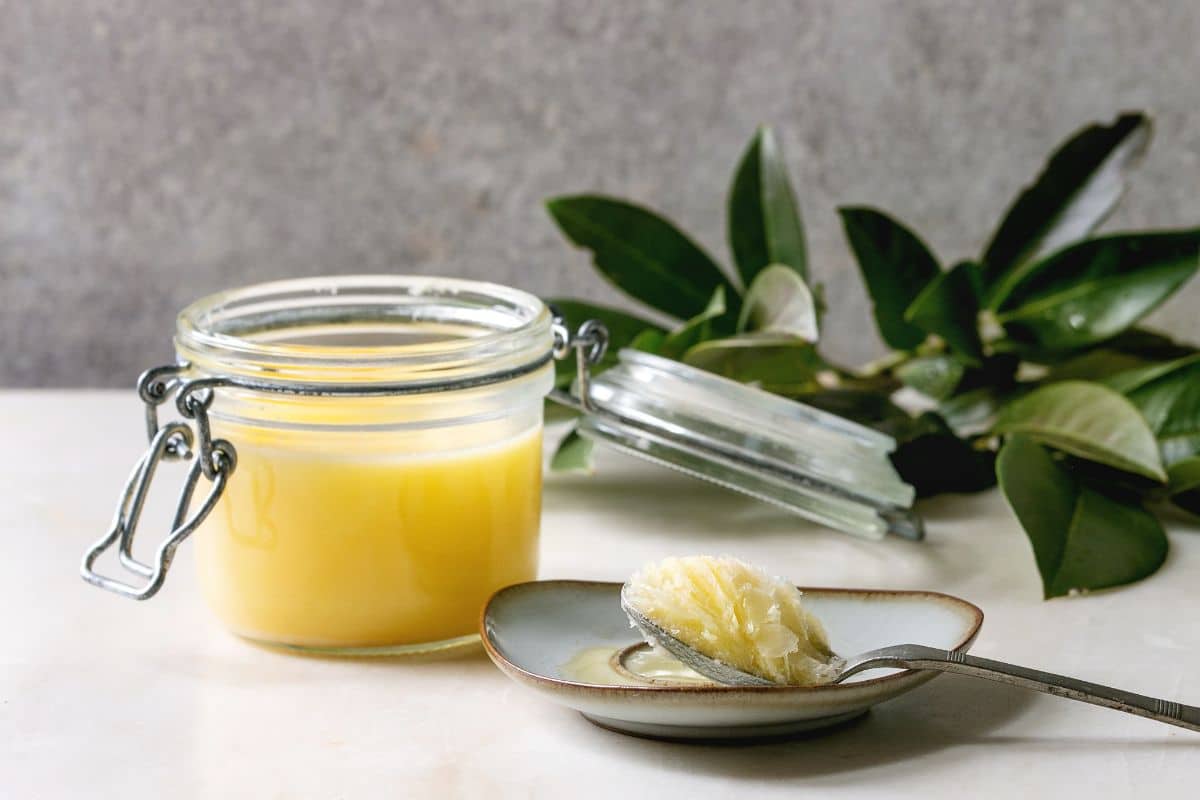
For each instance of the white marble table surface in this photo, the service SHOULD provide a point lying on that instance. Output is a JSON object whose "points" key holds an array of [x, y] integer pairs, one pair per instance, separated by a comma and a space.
{"points": [[104, 697]]}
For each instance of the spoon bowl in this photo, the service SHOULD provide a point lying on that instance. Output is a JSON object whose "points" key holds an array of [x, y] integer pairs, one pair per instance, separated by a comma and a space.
{"points": [[689, 656]]}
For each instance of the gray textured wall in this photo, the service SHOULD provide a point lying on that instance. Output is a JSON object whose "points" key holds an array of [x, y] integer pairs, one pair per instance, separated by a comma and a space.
{"points": [[154, 151]]}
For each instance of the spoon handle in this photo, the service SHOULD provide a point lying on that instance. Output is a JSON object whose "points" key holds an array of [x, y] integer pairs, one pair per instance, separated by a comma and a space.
{"points": [[912, 656]]}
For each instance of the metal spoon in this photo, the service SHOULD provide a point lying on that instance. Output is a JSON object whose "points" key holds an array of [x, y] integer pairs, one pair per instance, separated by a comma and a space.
{"points": [[915, 656]]}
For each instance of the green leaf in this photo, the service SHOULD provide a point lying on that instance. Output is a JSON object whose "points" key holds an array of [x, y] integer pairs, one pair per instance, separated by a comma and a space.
{"points": [[1132, 349], [1076, 191], [883, 383], [641, 253], [779, 302], [866, 407], [1185, 484], [1150, 345], [895, 266], [780, 365], [556, 412], [763, 217], [1170, 403], [949, 307], [1098, 288], [973, 412], [1124, 362], [696, 329], [933, 460], [574, 454], [933, 376], [622, 329], [1168, 395], [1099, 364], [648, 341], [1087, 420], [1082, 538], [1131, 380]]}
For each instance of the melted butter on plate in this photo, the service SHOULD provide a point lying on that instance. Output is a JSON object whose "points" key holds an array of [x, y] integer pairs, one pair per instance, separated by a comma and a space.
{"points": [[639, 665]]}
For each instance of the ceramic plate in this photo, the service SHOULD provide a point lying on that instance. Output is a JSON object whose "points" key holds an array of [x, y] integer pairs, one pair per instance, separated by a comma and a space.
{"points": [[534, 632]]}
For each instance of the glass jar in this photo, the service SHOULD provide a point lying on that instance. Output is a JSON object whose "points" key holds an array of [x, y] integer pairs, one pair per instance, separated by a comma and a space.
{"points": [[375, 446]]}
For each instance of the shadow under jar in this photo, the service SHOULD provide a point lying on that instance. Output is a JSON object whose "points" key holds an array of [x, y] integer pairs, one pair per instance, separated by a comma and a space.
{"points": [[387, 433]]}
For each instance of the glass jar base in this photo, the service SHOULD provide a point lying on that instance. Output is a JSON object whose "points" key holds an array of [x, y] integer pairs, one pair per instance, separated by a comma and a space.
{"points": [[454, 646]]}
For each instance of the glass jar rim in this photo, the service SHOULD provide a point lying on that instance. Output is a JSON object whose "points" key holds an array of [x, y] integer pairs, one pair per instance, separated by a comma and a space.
{"points": [[258, 332]]}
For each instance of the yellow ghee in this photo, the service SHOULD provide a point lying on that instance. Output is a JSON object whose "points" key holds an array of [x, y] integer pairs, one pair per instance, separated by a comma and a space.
{"points": [[640, 666], [737, 614], [369, 539]]}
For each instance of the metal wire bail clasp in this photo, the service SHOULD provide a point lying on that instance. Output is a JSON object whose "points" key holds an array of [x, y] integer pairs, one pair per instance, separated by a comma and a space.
{"points": [[589, 343], [174, 441]]}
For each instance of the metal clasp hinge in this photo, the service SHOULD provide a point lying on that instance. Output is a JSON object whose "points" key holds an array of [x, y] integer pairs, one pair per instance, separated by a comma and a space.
{"points": [[589, 343], [214, 459]]}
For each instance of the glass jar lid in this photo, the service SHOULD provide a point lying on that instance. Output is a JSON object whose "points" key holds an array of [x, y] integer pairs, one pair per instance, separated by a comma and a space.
{"points": [[808, 461]]}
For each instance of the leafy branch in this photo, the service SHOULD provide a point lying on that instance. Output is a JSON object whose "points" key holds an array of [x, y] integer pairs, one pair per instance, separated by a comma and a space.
{"points": [[1025, 360]]}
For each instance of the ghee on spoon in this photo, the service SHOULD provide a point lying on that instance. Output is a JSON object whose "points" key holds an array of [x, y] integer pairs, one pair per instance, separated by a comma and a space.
{"points": [[735, 624], [730, 621]]}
